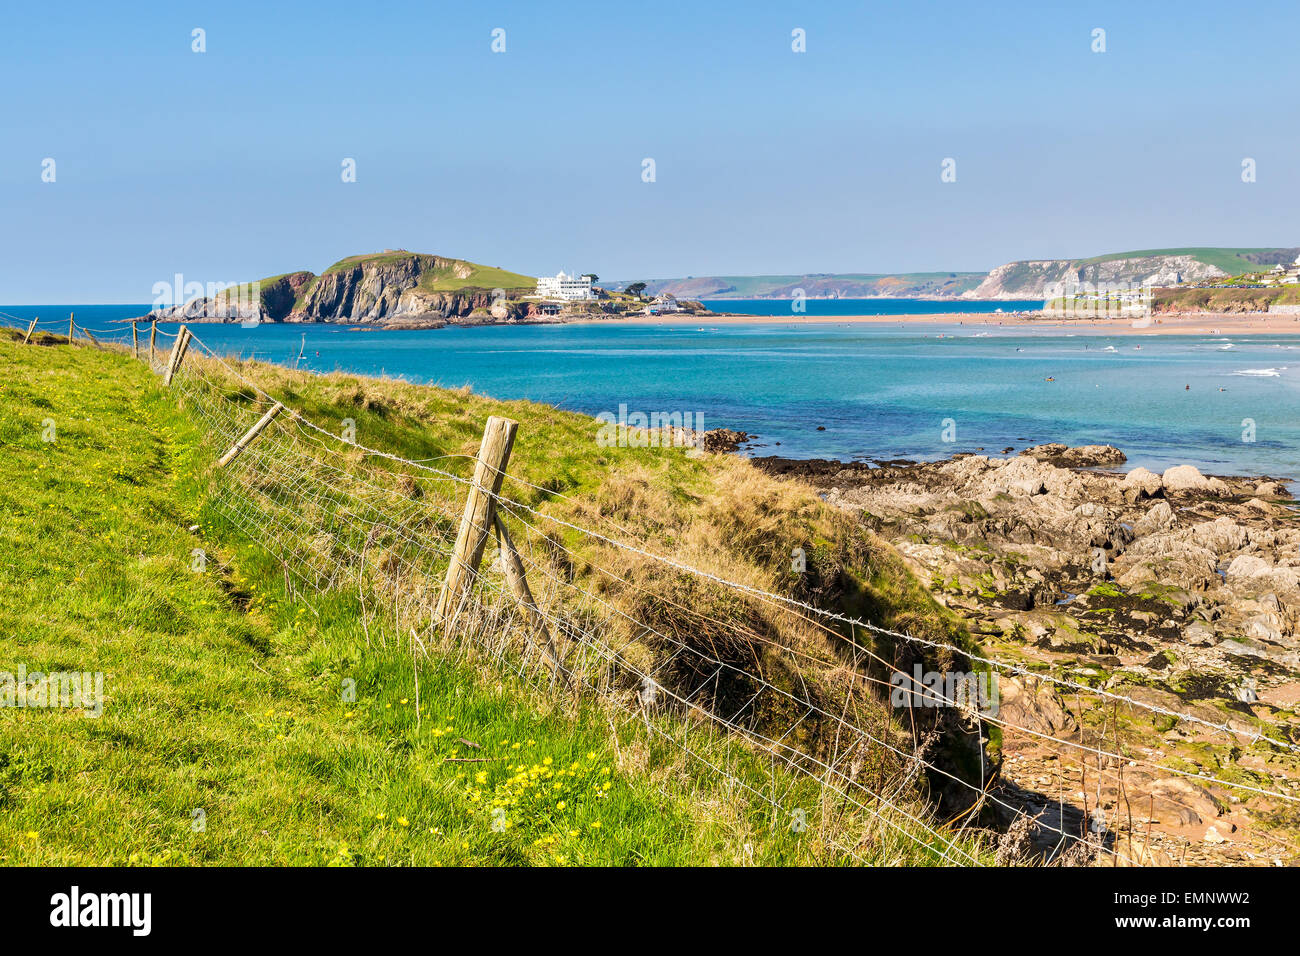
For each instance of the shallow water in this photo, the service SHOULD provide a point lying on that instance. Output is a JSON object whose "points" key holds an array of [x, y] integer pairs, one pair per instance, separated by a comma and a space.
{"points": [[879, 391]]}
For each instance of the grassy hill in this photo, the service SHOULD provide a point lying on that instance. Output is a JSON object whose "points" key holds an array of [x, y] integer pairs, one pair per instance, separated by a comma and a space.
{"points": [[1225, 299], [278, 294], [291, 292], [1013, 275], [1231, 261], [439, 274], [222, 679]]}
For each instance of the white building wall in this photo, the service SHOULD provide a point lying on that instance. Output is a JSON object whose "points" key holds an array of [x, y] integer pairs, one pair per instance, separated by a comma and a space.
{"points": [[564, 286]]}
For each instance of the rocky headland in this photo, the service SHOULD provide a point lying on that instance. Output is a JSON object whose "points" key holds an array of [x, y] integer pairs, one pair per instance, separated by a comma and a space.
{"points": [[395, 290]]}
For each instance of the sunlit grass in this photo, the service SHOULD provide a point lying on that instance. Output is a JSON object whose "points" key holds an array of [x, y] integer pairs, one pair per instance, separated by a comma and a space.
{"points": [[230, 732]]}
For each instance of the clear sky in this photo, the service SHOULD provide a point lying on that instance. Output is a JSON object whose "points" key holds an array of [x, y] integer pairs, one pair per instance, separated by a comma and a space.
{"points": [[226, 165]]}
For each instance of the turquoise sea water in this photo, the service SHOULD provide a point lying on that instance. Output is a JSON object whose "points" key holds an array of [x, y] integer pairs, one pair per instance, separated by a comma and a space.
{"points": [[815, 307], [879, 391]]}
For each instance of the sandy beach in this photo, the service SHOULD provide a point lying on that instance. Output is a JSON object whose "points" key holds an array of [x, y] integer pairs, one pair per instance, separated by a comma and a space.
{"points": [[1196, 323]]}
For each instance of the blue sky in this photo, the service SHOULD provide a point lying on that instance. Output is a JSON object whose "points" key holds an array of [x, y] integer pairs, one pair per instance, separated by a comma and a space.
{"points": [[225, 165]]}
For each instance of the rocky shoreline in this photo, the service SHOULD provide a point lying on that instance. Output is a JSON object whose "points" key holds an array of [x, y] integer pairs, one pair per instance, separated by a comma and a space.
{"points": [[1178, 589]]}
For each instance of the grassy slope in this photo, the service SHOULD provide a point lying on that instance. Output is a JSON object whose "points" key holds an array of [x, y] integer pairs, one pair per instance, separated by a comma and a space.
{"points": [[1225, 299], [716, 512], [239, 712], [433, 280], [1231, 261], [246, 287], [244, 290], [442, 280], [224, 693]]}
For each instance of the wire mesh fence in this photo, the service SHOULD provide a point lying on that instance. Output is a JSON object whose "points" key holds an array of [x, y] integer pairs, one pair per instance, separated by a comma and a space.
{"points": [[725, 671]]}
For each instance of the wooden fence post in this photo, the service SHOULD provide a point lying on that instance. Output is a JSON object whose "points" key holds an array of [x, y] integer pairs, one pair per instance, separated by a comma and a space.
{"points": [[249, 436], [153, 336], [476, 522], [30, 329], [135, 341], [513, 566], [178, 354], [71, 326]]}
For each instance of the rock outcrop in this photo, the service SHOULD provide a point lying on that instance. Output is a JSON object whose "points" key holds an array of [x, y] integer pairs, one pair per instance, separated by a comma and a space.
{"points": [[1178, 589], [1036, 279], [393, 289]]}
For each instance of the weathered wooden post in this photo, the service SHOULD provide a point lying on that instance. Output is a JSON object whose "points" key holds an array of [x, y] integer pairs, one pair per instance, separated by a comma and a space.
{"points": [[71, 326], [177, 355], [153, 337], [476, 522], [249, 436], [135, 341], [513, 566], [30, 329]]}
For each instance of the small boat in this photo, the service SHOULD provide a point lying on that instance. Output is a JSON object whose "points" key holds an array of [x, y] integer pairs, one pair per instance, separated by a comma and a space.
{"points": [[1049, 379]]}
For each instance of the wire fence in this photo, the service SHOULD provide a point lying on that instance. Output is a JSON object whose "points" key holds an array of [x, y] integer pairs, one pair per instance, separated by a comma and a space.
{"points": [[728, 672]]}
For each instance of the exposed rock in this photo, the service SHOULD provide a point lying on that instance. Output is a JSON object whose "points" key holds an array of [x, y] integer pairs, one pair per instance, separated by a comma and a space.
{"points": [[1045, 278], [721, 440], [1221, 536], [1174, 591], [1082, 456], [395, 290], [1158, 517], [1142, 483], [1033, 703], [1254, 570], [1183, 478]]}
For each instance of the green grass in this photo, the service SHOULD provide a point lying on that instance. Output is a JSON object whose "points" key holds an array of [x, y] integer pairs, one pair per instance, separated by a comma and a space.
{"points": [[224, 687], [245, 289], [240, 711], [439, 273], [1226, 298], [1231, 261], [482, 277], [269, 290]]}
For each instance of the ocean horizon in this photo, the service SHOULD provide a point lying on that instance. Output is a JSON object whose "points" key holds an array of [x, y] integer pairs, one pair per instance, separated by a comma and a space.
{"points": [[844, 391]]}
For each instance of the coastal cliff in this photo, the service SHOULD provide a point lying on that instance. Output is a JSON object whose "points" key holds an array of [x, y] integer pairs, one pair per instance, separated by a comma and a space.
{"points": [[1024, 279], [1154, 268], [377, 290], [1034, 279], [392, 288]]}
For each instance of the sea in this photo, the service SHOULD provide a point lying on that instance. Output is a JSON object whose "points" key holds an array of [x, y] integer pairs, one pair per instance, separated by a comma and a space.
{"points": [[1227, 404]]}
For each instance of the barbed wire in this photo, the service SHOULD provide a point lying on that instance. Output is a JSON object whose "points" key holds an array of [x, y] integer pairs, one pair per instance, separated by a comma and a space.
{"points": [[297, 493], [300, 460]]}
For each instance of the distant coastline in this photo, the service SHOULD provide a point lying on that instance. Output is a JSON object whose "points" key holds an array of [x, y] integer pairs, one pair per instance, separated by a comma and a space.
{"points": [[1194, 323]]}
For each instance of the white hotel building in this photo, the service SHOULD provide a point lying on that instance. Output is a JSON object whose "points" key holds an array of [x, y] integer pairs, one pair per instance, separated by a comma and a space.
{"points": [[567, 287]]}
